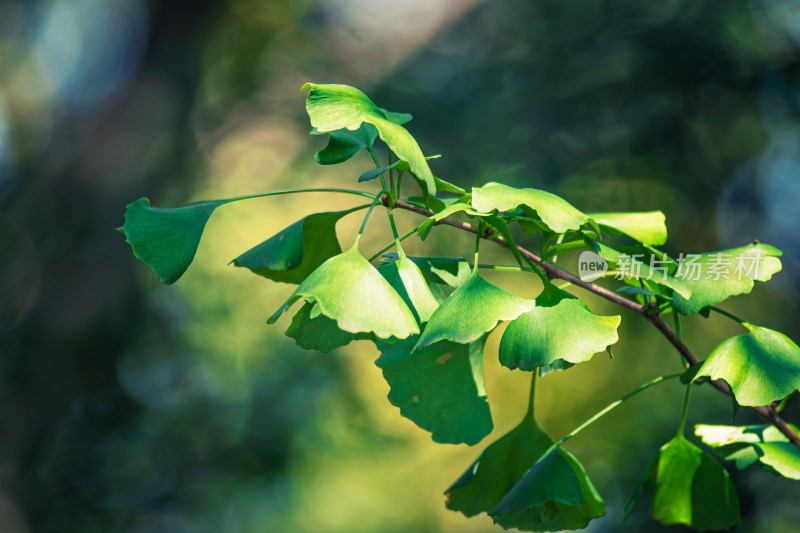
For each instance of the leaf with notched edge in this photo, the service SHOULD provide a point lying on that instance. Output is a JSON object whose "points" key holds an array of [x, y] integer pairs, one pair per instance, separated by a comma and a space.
{"points": [[715, 276], [559, 327], [761, 367]]}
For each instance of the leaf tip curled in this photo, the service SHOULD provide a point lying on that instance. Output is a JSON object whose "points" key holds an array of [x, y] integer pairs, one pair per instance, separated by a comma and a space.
{"points": [[306, 86]]}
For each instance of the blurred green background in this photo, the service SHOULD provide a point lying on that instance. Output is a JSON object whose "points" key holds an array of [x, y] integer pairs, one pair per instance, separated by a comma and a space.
{"points": [[128, 406]]}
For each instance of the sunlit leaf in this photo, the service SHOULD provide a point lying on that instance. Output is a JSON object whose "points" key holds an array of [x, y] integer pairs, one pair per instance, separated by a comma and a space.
{"points": [[555, 494], [648, 228], [761, 367], [409, 283], [450, 271], [559, 327], [689, 487], [440, 388], [166, 239], [558, 214], [350, 291], [747, 445], [473, 309], [344, 144], [714, 276], [318, 333], [634, 268], [296, 251], [336, 107]]}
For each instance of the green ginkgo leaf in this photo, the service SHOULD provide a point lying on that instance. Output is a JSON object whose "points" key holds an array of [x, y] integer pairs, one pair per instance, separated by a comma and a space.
{"points": [[747, 445], [349, 290], [498, 468], [337, 107], [410, 284], [166, 239], [450, 271], [320, 332], [440, 388], [559, 327], [344, 144], [634, 268], [647, 228], [689, 487], [293, 253], [555, 494], [761, 367], [714, 276], [487, 480], [555, 212], [473, 309]]}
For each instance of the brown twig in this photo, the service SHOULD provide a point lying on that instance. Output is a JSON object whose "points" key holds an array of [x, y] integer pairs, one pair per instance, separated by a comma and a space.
{"points": [[555, 272]]}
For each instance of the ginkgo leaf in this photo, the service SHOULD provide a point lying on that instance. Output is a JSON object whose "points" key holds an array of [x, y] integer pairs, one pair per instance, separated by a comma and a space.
{"points": [[473, 309], [440, 388], [747, 445], [555, 494], [761, 367], [166, 239], [714, 276], [647, 228], [498, 468], [336, 107], [555, 212], [293, 253], [344, 144], [487, 480], [689, 487], [409, 283], [318, 333], [350, 291], [634, 268], [559, 327], [450, 271]]}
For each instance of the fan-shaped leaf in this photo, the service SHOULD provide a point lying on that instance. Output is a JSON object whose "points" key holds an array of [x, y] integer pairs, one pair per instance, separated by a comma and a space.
{"points": [[559, 327], [336, 107], [689, 488], [498, 468], [761, 367], [166, 239], [558, 214], [293, 253], [747, 445], [714, 276], [440, 388], [351, 291], [409, 283], [473, 309], [647, 228], [554, 494]]}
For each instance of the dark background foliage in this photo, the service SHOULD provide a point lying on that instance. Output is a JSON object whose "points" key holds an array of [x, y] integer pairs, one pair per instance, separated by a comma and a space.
{"points": [[127, 406]]}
